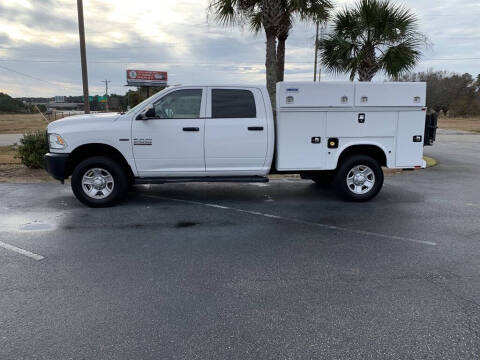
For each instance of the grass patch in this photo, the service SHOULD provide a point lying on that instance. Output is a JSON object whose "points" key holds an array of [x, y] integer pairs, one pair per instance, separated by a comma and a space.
{"points": [[21, 123], [466, 124], [7, 155]]}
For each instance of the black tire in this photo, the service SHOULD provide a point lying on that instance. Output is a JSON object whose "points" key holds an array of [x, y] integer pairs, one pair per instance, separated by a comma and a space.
{"points": [[323, 178], [117, 172], [345, 170]]}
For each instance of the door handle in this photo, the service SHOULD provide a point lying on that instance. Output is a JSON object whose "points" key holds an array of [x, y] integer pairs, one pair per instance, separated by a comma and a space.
{"points": [[191, 129], [255, 128]]}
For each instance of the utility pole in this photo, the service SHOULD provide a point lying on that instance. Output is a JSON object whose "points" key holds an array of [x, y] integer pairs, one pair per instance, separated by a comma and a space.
{"points": [[317, 37], [106, 94], [316, 54], [83, 55]]}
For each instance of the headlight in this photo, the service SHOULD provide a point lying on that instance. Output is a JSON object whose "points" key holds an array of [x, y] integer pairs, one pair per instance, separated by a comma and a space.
{"points": [[56, 142]]}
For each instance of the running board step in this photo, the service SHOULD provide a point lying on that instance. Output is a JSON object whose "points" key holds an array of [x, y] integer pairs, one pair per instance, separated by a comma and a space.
{"points": [[231, 179]]}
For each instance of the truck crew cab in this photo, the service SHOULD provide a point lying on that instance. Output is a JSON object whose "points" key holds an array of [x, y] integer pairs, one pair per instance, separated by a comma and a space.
{"points": [[330, 132]]}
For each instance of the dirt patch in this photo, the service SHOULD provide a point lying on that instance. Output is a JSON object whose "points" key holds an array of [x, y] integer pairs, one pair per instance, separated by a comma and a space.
{"points": [[16, 173], [7, 155], [284, 176], [466, 124]]}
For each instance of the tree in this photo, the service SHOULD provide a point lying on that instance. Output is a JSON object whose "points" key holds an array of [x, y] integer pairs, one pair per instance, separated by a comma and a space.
{"points": [[450, 93], [8, 104], [276, 18], [371, 37], [477, 84]]}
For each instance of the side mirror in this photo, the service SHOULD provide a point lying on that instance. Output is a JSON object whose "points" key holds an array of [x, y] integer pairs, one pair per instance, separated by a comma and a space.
{"points": [[150, 113]]}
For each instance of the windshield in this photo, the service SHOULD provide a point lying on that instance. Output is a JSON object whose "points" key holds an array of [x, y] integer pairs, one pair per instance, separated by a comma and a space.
{"points": [[143, 103]]}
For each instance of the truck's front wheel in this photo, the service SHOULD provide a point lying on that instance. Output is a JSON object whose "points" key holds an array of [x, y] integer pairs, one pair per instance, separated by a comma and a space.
{"points": [[99, 182], [359, 178]]}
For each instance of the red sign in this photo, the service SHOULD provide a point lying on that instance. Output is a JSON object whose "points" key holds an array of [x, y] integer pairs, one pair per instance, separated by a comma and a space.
{"points": [[147, 78]]}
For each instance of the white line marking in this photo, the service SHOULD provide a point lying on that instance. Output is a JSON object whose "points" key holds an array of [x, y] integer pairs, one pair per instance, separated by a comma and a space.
{"points": [[472, 204], [21, 251], [298, 221]]}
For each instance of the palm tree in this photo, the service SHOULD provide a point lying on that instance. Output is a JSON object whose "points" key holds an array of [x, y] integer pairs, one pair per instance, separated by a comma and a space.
{"points": [[315, 11], [371, 37], [276, 18], [268, 13]]}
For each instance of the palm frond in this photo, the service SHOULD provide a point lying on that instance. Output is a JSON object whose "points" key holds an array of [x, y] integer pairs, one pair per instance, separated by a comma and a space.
{"points": [[312, 10], [255, 22], [231, 12], [338, 55], [399, 59]]}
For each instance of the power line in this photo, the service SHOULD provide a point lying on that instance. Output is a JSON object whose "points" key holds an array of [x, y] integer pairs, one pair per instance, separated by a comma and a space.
{"points": [[27, 75], [139, 61], [451, 59]]}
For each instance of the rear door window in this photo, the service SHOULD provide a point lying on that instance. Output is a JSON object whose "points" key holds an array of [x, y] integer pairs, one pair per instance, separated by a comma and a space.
{"points": [[233, 103]]}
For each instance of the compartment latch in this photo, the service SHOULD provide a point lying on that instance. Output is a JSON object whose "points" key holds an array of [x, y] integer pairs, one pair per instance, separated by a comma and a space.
{"points": [[361, 118]]}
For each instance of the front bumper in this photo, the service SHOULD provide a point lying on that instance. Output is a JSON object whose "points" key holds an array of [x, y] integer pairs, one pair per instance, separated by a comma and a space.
{"points": [[55, 165]]}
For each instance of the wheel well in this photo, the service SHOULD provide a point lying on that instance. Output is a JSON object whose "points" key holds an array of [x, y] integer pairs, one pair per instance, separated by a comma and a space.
{"points": [[371, 150], [85, 151]]}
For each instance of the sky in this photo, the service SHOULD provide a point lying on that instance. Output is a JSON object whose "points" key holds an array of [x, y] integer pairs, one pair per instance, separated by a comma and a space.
{"points": [[40, 56]]}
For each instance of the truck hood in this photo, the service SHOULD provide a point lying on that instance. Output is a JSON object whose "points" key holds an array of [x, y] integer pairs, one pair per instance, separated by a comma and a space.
{"points": [[83, 119]]}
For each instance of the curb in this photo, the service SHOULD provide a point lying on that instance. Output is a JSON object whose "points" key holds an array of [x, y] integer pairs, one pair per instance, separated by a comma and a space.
{"points": [[430, 161]]}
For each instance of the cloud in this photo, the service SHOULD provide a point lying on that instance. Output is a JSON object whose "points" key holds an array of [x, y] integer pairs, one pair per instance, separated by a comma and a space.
{"points": [[40, 39]]}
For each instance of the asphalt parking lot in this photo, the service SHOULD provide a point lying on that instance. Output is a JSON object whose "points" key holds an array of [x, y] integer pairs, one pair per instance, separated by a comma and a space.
{"points": [[283, 270]]}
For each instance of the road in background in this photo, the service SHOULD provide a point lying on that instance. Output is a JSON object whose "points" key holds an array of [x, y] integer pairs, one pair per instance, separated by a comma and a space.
{"points": [[248, 271], [9, 139]]}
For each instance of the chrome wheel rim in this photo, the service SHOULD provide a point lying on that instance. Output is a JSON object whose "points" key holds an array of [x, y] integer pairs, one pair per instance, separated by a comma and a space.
{"points": [[360, 179], [97, 183]]}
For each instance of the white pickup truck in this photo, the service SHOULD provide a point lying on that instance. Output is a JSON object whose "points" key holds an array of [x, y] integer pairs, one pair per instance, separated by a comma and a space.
{"points": [[331, 132]]}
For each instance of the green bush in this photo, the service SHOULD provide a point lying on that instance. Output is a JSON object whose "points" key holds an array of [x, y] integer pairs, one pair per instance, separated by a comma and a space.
{"points": [[33, 146]]}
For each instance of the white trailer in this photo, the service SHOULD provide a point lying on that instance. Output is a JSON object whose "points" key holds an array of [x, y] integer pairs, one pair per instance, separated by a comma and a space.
{"points": [[330, 132]]}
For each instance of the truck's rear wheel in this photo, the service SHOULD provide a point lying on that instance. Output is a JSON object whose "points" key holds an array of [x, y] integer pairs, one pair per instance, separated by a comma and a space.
{"points": [[99, 182], [359, 178]]}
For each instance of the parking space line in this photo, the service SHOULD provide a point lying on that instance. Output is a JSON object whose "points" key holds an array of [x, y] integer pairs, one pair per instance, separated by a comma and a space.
{"points": [[298, 221], [21, 251]]}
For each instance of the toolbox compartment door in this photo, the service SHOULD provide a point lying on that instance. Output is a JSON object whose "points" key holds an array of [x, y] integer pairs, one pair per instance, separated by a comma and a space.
{"points": [[411, 94], [409, 153], [315, 95]]}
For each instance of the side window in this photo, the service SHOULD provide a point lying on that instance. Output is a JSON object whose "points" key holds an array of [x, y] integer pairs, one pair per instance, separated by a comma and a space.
{"points": [[180, 104], [227, 103]]}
